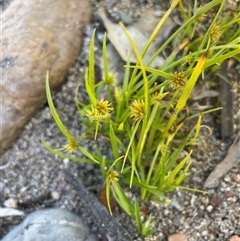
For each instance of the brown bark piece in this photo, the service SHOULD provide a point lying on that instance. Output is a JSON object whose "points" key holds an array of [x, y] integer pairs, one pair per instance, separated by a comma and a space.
{"points": [[231, 159], [107, 224], [37, 35]]}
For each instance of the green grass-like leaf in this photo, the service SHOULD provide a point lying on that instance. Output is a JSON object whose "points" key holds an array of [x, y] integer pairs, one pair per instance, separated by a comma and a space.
{"points": [[122, 199], [70, 157], [54, 113]]}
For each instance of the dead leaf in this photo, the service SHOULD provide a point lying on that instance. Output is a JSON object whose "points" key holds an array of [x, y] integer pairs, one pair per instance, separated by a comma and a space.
{"points": [[139, 32]]}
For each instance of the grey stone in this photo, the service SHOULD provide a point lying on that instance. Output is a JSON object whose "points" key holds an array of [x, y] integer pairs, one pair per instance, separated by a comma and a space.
{"points": [[125, 18], [51, 225], [11, 203]]}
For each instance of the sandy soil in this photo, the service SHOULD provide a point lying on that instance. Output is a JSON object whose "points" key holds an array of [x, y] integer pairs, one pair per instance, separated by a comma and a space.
{"points": [[35, 179]]}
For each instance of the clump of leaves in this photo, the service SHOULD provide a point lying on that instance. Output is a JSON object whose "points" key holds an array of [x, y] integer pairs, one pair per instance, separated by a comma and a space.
{"points": [[145, 120]]}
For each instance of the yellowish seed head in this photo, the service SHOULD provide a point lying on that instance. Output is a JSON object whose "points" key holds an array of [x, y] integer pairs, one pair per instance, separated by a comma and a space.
{"points": [[137, 110], [111, 80], [177, 80], [112, 176], [100, 112], [103, 107], [215, 32], [71, 146]]}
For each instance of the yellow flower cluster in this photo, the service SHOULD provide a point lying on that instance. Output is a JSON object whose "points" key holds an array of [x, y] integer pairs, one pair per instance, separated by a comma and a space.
{"points": [[111, 79], [137, 110], [177, 80], [112, 176], [215, 32], [71, 146], [101, 111]]}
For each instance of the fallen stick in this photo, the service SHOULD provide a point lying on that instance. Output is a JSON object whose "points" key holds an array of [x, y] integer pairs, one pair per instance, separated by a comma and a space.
{"points": [[231, 159], [226, 98], [106, 223]]}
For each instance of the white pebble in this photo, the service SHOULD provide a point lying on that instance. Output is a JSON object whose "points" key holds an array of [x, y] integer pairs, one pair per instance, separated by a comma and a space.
{"points": [[209, 208], [7, 212], [10, 203], [65, 162], [55, 195], [165, 212]]}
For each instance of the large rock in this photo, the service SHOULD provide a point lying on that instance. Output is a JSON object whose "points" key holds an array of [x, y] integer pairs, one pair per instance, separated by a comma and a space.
{"points": [[51, 225], [37, 35]]}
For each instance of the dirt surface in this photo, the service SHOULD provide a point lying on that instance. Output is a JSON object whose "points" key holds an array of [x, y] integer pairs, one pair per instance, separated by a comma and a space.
{"points": [[34, 178]]}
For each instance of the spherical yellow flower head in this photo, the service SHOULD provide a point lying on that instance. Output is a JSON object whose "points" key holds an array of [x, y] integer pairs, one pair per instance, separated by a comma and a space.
{"points": [[111, 80], [71, 146], [137, 110], [112, 176], [215, 32], [177, 80], [101, 111], [103, 107]]}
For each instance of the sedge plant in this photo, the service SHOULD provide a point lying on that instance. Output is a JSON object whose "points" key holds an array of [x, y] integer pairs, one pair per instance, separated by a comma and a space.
{"points": [[145, 119]]}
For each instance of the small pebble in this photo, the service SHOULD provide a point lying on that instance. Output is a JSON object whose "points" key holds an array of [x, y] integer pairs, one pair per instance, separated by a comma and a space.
{"points": [[178, 237], [209, 208], [65, 161], [234, 238], [176, 205], [204, 200], [205, 233], [202, 207], [55, 195], [233, 199], [193, 199], [125, 18], [236, 178], [100, 37], [176, 221], [214, 201], [235, 170], [10, 203], [166, 212], [215, 231], [227, 179], [228, 194], [211, 237]]}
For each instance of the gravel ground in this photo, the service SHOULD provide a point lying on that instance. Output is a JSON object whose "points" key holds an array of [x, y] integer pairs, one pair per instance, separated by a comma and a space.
{"points": [[34, 178]]}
